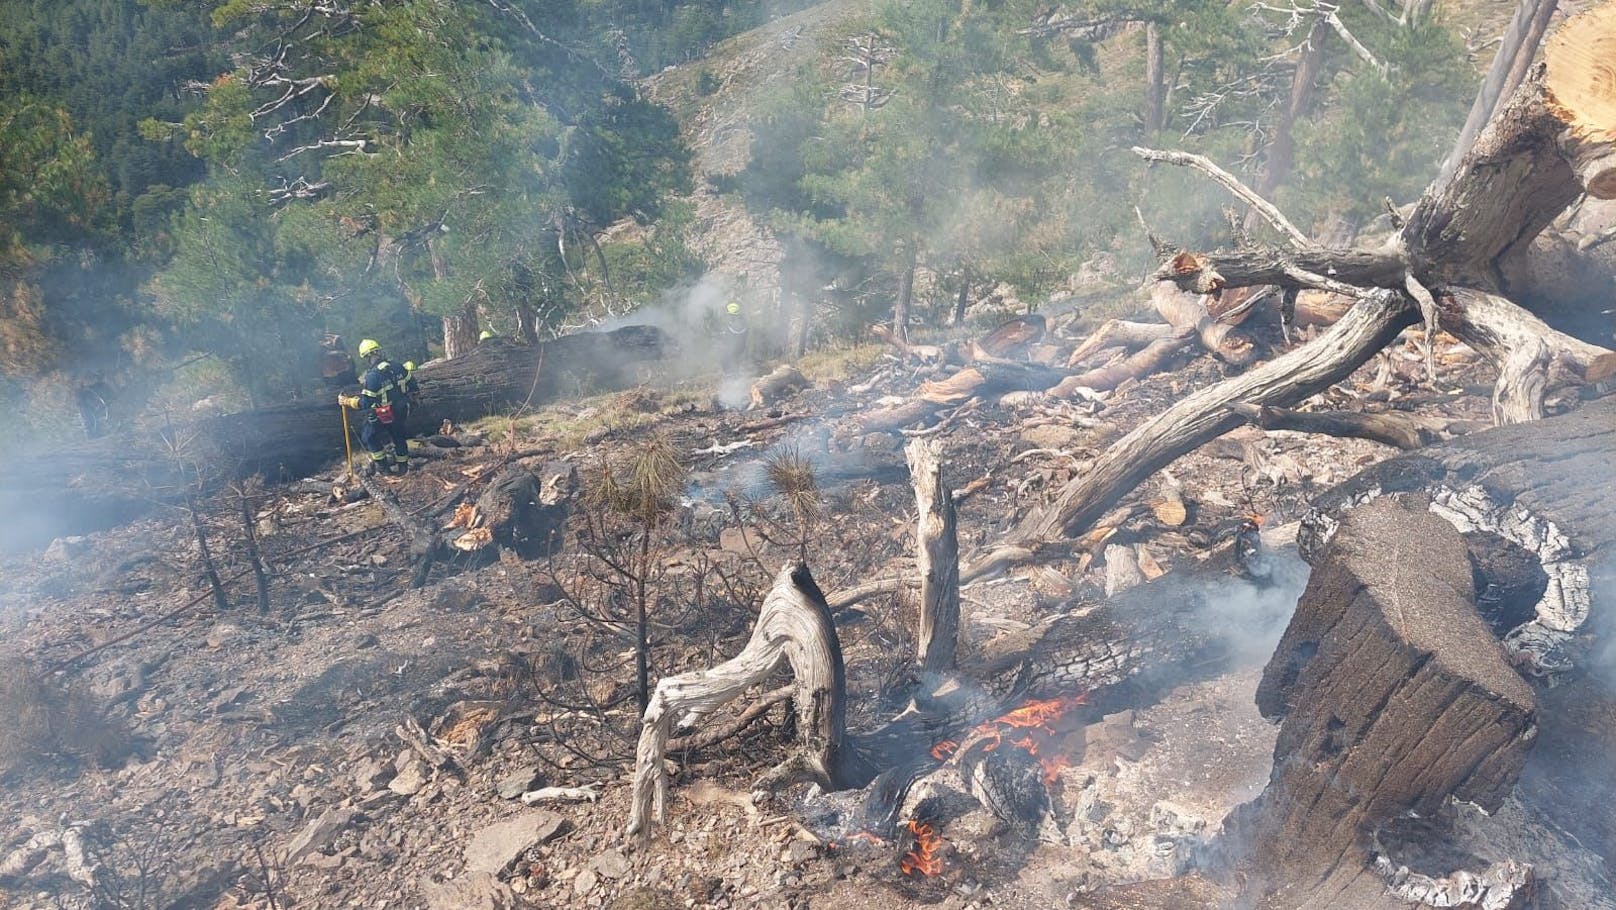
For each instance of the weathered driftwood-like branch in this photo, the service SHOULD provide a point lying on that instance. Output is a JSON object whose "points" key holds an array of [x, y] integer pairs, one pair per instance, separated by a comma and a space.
{"points": [[1118, 333], [1393, 429], [1185, 311], [794, 628], [1152, 358], [1522, 347], [937, 547], [1203, 416], [1230, 182]]}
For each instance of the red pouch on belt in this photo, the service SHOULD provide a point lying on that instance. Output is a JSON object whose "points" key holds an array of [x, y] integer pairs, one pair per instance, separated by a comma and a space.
{"points": [[384, 413]]}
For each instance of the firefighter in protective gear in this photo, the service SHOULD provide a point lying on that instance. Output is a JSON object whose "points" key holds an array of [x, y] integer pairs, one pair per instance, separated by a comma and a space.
{"points": [[384, 399]]}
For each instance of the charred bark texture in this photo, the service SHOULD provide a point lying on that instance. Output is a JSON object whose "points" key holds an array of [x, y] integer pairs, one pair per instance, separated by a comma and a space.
{"points": [[1395, 698], [1537, 493], [117, 479]]}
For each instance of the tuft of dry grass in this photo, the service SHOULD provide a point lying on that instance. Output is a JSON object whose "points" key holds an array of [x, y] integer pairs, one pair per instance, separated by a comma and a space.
{"points": [[44, 720]]}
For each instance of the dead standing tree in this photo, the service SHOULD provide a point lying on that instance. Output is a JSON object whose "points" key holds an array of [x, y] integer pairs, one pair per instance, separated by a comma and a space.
{"points": [[1553, 141], [793, 628]]}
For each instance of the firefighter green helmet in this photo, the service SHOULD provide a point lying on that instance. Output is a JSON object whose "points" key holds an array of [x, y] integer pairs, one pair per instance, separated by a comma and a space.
{"points": [[368, 347]]}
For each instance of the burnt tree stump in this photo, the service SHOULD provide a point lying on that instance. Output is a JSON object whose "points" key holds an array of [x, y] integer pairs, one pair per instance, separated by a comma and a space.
{"points": [[526, 512], [1535, 507], [1395, 698]]}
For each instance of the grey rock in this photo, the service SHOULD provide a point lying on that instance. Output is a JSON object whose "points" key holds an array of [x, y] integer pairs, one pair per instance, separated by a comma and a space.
{"points": [[319, 834], [611, 864], [495, 847], [412, 776], [371, 774], [476, 891], [523, 779], [584, 883]]}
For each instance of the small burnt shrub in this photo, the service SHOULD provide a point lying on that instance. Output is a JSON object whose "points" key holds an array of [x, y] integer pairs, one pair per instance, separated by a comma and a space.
{"points": [[43, 721]]}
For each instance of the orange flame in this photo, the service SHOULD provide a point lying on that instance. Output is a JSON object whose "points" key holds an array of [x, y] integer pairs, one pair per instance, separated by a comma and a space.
{"points": [[926, 858], [1031, 728], [944, 749]]}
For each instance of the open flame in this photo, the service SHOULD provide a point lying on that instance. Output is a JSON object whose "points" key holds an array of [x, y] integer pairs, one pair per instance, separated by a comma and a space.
{"points": [[926, 858], [1031, 728]]}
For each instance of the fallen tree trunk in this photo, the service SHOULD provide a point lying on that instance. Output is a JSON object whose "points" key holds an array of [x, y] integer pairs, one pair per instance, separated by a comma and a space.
{"points": [[117, 479], [794, 627], [1204, 415], [1549, 144]]}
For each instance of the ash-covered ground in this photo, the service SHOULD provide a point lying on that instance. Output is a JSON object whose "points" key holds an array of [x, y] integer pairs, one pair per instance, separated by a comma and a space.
{"points": [[361, 744]]}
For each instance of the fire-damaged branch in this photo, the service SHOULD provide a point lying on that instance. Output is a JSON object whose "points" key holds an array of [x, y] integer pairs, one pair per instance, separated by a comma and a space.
{"points": [[1203, 416], [1549, 144], [1397, 430], [937, 545], [1230, 182], [795, 628], [425, 543]]}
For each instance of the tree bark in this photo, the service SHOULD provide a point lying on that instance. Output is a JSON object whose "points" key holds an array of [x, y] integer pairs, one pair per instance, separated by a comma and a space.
{"points": [[962, 301], [1458, 722], [795, 628], [117, 479], [906, 292], [1282, 151], [460, 332], [1155, 80], [937, 545], [1515, 53]]}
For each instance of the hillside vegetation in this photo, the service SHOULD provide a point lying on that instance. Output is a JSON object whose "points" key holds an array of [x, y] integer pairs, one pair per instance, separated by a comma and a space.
{"points": [[193, 195]]}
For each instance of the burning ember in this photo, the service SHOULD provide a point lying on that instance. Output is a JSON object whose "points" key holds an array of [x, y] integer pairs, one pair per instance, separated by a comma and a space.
{"points": [[1031, 727], [925, 860]]}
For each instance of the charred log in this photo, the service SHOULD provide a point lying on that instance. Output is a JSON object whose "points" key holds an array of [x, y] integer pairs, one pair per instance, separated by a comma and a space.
{"points": [[1538, 528], [781, 382], [1395, 699], [425, 545], [117, 479], [520, 511], [1399, 431]]}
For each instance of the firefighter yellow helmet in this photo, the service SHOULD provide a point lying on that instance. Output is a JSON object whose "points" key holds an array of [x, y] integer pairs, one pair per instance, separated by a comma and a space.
{"points": [[409, 366], [368, 347], [734, 309], [485, 335]]}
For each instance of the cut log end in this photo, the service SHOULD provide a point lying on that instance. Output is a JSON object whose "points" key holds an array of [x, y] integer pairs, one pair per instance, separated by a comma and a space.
{"points": [[1581, 77]]}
